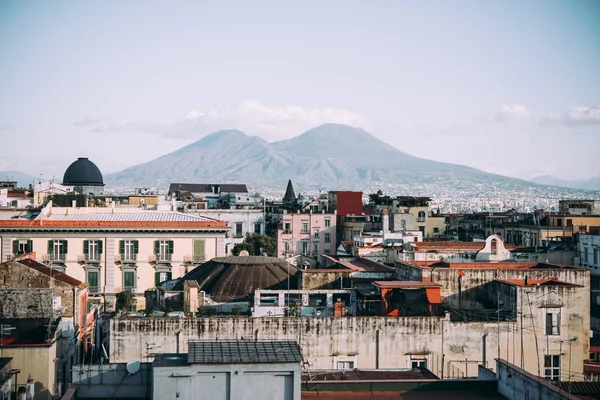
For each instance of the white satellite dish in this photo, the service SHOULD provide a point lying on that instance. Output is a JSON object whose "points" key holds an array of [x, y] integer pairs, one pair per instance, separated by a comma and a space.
{"points": [[133, 366]]}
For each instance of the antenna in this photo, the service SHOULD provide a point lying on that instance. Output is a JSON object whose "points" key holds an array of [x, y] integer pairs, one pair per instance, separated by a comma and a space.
{"points": [[133, 366]]}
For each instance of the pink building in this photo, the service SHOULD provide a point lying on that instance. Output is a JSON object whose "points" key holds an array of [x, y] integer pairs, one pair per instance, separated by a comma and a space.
{"points": [[311, 234]]}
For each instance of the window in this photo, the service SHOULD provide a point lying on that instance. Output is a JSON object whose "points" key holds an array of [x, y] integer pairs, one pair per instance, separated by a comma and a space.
{"points": [[257, 228], [345, 365], [326, 251], [315, 248], [592, 356], [162, 276], [92, 250], [595, 256], [288, 246], [93, 280], [305, 247], [585, 255], [494, 247], [422, 229], [239, 227], [327, 238], [421, 216], [552, 367], [327, 222], [129, 279], [199, 251], [163, 249], [436, 230], [128, 250], [57, 250], [559, 222], [317, 234], [22, 246], [417, 362], [305, 227], [287, 227], [553, 323]]}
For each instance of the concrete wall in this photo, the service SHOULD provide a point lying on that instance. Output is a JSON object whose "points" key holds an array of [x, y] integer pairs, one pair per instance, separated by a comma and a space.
{"points": [[35, 363], [228, 381], [452, 349], [112, 381]]}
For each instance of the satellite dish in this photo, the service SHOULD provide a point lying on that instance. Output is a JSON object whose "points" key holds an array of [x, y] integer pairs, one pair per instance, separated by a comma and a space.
{"points": [[133, 366]]}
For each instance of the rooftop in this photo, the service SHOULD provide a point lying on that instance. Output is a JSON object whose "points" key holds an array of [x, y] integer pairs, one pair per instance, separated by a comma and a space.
{"points": [[243, 352], [504, 265], [357, 264], [208, 187], [370, 375], [537, 282], [473, 246], [406, 285], [44, 269]]}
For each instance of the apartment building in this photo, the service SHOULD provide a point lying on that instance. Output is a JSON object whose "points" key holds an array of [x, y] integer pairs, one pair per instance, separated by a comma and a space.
{"points": [[115, 250], [306, 233]]}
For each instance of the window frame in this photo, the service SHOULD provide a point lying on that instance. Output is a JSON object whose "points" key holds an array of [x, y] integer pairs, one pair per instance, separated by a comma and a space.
{"points": [[130, 270], [552, 368]]}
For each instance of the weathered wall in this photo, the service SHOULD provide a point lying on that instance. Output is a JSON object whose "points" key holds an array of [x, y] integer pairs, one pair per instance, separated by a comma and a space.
{"points": [[451, 349], [322, 279], [26, 303]]}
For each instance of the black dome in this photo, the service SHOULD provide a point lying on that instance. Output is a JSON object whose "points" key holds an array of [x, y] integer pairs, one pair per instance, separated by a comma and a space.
{"points": [[83, 172]]}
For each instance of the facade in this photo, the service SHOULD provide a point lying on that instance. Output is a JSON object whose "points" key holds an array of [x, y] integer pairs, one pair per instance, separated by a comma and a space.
{"points": [[227, 370], [45, 190], [345, 202], [115, 250], [492, 249], [308, 303], [241, 222], [308, 234], [588, 253]]}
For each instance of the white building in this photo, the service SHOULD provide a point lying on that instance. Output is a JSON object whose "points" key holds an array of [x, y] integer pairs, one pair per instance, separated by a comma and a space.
{"points": [[588, 250], [114, 249], [230, 371], [241, 222], [43, 190]]}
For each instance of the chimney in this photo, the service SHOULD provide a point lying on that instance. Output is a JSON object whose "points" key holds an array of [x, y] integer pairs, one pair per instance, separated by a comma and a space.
{"points": [[386, 222]]}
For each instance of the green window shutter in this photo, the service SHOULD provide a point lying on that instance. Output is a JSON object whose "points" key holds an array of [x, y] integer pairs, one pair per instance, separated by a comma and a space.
{"points": [[198, 249], [156, 278], [169, 275], [135, 246], [65, 247], [50, 246], [170, 247], [121, 247], [129, 279], [157, 247], [15, 247], [100, 247], [86, 246], [93, 278], [30, 246]]}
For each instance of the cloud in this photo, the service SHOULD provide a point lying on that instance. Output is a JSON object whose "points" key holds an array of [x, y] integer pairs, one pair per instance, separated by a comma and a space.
{"points": [[253, 117], [575, 116], [515, 112]]}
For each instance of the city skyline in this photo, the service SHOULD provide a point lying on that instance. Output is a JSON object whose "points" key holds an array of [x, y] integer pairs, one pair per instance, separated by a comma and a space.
{"points": [[499, 87]]}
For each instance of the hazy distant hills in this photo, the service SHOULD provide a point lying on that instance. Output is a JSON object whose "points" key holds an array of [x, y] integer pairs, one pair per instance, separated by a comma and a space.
{"points": [[589, 184], [23, 179], [332, 156]]}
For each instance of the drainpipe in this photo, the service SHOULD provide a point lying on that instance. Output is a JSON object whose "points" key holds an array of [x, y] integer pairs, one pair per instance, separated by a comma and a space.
{"points": [[377, 349], [484, 351], [177, 334]]}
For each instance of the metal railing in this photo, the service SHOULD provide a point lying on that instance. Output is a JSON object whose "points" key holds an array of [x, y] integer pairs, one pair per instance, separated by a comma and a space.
{"points": [[90, 258]]}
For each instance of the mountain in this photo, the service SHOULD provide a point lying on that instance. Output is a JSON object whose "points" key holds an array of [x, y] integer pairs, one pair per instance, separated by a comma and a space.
{"points": [[331, 156], [587, 184], [23, 179]]}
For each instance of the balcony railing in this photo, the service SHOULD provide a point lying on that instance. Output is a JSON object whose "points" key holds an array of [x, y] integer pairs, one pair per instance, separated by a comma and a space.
{"points": [[94, 289], [126, 258], [160, 258], [90, 258], [55, 257], [194, 259]]}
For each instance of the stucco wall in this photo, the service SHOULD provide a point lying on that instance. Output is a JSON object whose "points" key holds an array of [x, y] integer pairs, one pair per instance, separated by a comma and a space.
{"points": [[35, 363], [326, 340]]}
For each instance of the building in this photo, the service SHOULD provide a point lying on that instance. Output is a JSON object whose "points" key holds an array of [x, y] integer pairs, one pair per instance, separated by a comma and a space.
{"points": [[216, 195], [115, 249], [310, 234], [588, 253], [577, 207], [241, 221], [492, 249], [85, 177], [412, 213], [345, 202], [230, 370], [306, 303], [44, 191], [47, 325]]}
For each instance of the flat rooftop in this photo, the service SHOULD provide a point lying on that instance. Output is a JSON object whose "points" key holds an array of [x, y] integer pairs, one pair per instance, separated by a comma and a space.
{"points": [[357, 264], [406, 285], [503, 265]]}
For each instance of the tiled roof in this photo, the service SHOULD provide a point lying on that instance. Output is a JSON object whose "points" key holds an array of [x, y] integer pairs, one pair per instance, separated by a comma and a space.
{"points": [[207, 187], [129, 217], [243, 352], [406, 284], [44, 269], [444, 246], [580, 388], [535, 282]]}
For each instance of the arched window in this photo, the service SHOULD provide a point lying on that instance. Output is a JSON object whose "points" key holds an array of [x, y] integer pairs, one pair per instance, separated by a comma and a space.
{"points": [[494, 247]]}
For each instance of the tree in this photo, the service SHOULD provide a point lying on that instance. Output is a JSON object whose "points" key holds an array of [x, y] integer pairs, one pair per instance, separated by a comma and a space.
{"points": [[125, 300], [257, 244]]}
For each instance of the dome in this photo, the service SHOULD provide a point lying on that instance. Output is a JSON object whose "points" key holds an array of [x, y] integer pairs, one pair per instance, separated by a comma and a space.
{"points": [[83, 172], [229, 279]]}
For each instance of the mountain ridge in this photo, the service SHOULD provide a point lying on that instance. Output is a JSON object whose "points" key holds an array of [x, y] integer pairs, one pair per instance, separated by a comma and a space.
{"points": [[327, 155]]}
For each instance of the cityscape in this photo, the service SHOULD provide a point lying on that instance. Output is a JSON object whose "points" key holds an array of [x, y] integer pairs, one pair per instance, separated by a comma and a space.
{"points": [[289, 201]]}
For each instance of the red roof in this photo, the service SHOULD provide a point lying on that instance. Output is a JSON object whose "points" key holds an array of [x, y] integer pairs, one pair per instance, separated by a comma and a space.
{"points": [[406, 284], [536, 282]]}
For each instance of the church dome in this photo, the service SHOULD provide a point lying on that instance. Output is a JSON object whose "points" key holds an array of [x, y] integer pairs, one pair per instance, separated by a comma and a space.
{"points": [[83, 172]]}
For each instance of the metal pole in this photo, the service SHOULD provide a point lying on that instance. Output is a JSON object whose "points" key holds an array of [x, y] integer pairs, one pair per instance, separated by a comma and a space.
{"points": [[498, 324]]}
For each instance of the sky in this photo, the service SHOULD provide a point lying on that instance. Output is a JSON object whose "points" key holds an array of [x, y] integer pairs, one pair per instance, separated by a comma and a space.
{"points": [[510, 87]]}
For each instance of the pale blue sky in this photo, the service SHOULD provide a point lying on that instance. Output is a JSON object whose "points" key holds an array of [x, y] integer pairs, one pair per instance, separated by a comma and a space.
{"points": [[511, 87]]}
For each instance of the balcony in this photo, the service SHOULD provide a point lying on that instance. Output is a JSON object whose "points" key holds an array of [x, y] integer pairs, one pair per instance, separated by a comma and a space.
{"points": [[89, 258], [160, 258], [54, 258], [94, 289], [194, 259], [126, 258]]}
